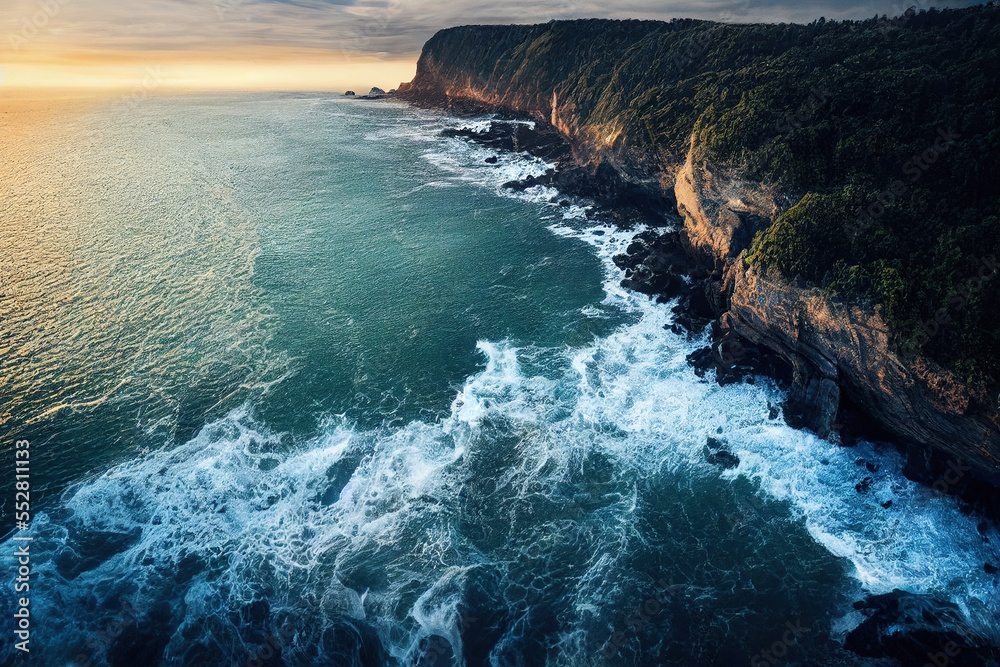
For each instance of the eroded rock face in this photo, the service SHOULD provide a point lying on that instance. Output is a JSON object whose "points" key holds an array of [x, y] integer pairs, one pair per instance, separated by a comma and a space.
{"points": [[721, 215], [834, 348]]}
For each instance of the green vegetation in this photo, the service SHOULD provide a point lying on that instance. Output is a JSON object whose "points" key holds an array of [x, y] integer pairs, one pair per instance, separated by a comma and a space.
{"points": [[837, 114]]}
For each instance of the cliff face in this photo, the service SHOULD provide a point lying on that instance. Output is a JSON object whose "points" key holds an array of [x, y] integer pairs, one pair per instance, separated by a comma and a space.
{"points": [[603, 85], [831, 346], [834, 347], [555, 73]]}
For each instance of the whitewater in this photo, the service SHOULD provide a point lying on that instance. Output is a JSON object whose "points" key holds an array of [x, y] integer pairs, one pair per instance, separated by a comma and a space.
{"points": [[515, 513]]}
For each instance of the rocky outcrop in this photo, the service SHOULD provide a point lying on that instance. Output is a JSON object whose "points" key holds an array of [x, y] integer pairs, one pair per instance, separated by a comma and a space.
{"points": [[837, 353], [917, 630], [374, 94], [832, 347], [722, 213]]}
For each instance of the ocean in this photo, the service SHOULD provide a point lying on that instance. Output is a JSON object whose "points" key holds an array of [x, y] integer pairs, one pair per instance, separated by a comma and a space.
{"points": [[305, 385]]}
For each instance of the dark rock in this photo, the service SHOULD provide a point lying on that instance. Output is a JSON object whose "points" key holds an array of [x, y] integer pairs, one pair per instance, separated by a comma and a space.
{"points": [[636, 247], [990, 569], [734, 359], [626, 261], [952, 476], [887, 504], [349, 93], [698, 305], [715, 443], [685, 322], [865, 485], [917, 630], [701, 360], [813, 404], [624, 201], [649, 236], [660, 261], [492, 160], [374, 94], [646, 281], [722, 458], [750, 224], [516, 137]]}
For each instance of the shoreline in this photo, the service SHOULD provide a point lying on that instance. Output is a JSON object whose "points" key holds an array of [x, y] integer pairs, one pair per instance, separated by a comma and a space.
{"points": [[722, 163], [681, 273]]}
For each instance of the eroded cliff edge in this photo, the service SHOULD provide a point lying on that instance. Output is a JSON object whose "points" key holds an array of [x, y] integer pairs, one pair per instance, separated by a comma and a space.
{"points": [[655, 102], [832, 347]]}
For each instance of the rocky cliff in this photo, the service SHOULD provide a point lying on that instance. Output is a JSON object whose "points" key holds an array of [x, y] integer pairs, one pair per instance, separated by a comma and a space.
{"points": [[644, 98], [831, 346]]}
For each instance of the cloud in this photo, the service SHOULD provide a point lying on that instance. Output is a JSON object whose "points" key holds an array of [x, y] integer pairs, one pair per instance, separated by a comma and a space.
{"points": [[357, 28]]}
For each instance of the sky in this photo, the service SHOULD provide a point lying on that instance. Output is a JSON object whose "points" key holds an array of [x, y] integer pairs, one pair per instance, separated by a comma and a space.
{"points": [[147, 45]]}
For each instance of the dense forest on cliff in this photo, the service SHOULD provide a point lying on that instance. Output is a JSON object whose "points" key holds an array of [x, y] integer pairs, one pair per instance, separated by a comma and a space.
{"points": [[882, 135]]}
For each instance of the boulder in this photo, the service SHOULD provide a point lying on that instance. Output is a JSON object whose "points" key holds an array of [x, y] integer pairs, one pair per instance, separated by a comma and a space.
{"points": [[917, 630]]}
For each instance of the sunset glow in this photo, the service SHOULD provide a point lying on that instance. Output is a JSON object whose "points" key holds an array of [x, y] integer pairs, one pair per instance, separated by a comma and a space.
{"points": [[149, 72], [165, 45]]}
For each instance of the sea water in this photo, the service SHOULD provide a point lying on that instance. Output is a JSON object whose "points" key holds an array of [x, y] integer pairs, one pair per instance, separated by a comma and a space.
{"points": [[305, 385]]}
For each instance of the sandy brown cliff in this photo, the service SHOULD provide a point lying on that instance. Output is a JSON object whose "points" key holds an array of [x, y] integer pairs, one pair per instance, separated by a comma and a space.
{"points": [[832, 347]]}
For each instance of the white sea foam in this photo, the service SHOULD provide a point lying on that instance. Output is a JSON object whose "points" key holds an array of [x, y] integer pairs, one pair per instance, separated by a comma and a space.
{"points": [[921, 543], [362, 524]]}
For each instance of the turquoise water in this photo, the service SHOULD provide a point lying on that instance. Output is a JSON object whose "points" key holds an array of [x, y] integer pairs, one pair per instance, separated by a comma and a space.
{"points": [[305, 385], [205, 259]]}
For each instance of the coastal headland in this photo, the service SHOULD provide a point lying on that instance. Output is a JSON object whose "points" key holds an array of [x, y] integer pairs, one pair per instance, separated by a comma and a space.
{"points": [[818, 195]]}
